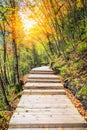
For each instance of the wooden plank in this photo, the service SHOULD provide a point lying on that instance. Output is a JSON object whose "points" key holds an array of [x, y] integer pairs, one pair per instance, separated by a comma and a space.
{"points": [[49, 111], [47, 92], [45, 76], [25, 120], [43, 85], [43, 68], [43, 106], [45, 98], [44, 80], [45, 101], [75, 128], [41, 72]]}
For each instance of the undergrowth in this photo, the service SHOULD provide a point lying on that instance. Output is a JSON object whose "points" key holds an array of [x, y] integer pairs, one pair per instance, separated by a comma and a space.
{"points": [[74, 72]]}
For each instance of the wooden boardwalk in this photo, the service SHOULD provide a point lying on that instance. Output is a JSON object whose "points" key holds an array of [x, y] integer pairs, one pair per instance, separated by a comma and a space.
{"points": [[45, 106]]}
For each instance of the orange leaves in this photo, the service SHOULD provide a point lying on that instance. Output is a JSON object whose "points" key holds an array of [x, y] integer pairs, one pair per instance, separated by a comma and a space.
{"points": [[77, 103], [42, 19]]}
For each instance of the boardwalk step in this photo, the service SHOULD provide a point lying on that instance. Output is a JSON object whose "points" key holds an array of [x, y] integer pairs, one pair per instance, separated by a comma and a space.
{"points": [[45, 101], [26, 120], [43, 76], [43, 68], [45, 92], [47, 111], [29, 85], [44, 80]]}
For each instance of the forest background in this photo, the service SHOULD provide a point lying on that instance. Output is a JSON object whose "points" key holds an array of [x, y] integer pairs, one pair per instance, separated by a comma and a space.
{"points": [[41, 32]]}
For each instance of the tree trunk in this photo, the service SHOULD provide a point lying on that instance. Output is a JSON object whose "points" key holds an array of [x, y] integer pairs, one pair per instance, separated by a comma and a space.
{"points": [[4, 57], [15, 63], [3, 31], [4, 94]]}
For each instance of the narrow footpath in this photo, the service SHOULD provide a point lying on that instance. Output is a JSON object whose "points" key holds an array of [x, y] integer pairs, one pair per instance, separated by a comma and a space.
{"points": [[44, 105]]}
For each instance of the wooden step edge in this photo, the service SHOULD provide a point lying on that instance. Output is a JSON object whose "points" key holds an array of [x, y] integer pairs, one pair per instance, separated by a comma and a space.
{"points": [[55, 78], [43, 84], [44, 92], [35, 87], [52, 125], [42, 81], [42, 72]]}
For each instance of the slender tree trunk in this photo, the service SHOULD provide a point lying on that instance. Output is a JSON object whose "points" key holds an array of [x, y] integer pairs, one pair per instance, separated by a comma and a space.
{"points": [[3, 30], [4, 57], [4, 94], [15, 66], [15, 63]]}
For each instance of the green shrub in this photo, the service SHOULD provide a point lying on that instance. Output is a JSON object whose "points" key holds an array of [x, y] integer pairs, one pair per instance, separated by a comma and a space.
{"points": [[81, 47], [17, 89], [3, 117], [82, 93]]}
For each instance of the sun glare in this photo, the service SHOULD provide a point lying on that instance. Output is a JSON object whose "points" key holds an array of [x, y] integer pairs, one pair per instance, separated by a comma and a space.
{"points": [[27, 23]]}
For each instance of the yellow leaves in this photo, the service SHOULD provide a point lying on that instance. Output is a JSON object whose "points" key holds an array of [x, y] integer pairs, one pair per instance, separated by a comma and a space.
{"points": [[41, 20], [77, 104], [28, 23], [79, 4]]}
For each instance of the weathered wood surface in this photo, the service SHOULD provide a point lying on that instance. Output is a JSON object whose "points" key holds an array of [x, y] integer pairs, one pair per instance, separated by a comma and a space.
{"points": [[46, 121], [47, 111], [45, 106], [43, 76], [45, 101], [45, 92], [44, 80], [43, 69], [43, 85]]}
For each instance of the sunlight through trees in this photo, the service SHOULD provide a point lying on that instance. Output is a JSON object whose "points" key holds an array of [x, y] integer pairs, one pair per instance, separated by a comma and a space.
{"points": [[43, 32]]}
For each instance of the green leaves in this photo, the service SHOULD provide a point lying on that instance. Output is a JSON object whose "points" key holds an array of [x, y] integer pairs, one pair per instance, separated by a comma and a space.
{"points": [[82, 93]]}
